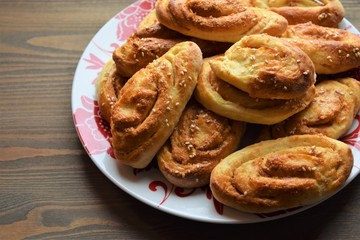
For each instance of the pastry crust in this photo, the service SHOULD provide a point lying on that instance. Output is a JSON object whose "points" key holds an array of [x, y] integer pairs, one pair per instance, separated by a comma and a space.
{"points": [[266, 67], [143, 47], [151, 102], [331, 50], [222, 20], [229, 101], [107, 87], [199, 142], [327, 13], [331, 113], [283, 173], [151, 41]]}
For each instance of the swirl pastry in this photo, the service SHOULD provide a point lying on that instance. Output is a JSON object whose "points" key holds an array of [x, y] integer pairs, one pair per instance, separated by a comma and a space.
{"points": [[108, 86], [221, 20], [331, 113], [229, 101], [332, 50], [151, 102], [283, 173], [200, 140], [266, 67], [321, 12], [152, 41]]}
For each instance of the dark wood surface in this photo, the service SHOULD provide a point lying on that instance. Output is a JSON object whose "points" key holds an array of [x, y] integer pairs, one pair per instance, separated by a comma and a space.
{"points": [[50, 188]]}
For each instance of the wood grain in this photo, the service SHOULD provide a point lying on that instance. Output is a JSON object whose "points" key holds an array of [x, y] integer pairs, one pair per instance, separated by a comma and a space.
{"points": [[50, 188]]}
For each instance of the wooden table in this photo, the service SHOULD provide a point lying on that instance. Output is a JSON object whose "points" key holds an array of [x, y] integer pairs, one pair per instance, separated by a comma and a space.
{"points": [[50, 188]]}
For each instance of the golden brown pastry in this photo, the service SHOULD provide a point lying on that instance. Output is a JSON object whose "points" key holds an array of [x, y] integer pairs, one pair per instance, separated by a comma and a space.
{"points": [[151, 102], [229, 101], [321, 12], [143, 47], [149, 20], [151, 41], [331, 113], [199, 142], [332, 50], [284, 173], [108, 86], [266, 67], [221, 20]]}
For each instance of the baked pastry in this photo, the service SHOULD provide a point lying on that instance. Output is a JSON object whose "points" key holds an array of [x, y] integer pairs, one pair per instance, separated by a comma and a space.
{"points": [[143, 47], [222, 20], [332, 50], [151, 41], [199, 142], [107, 87], [327, 13], [266, 67], [284, 173], [149, 20], [231, 102], [151, 102], [331, 113]]}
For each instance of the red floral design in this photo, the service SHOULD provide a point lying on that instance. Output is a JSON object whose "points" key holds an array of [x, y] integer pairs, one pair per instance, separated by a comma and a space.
{"points": [[219, 207], [92, 128], [153, 186], [353, 138], [182, 192], [130, 18], [95, 62]]}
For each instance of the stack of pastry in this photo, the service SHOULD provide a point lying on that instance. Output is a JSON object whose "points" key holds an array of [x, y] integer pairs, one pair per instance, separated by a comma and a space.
{"points": [[181, 90]]}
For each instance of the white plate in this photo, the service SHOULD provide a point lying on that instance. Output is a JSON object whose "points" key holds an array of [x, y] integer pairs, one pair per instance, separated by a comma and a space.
{"points": [[148, 185]]}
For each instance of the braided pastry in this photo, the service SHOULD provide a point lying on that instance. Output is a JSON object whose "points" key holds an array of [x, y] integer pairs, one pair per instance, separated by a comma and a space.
{"points": [[283, 173], [332, 50], [229, 101], [151, 102], [221, 20], [331, 113], [200, 140], [107, 87], [266, 67]]}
